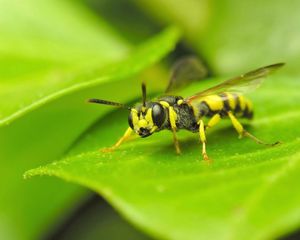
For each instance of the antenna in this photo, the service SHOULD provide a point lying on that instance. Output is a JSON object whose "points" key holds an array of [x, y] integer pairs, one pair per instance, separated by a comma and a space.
{"points": [[105, 102], [144, 94]]}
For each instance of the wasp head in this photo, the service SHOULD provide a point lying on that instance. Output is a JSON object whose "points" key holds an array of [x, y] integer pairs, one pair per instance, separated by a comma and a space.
{"points": [[146, 119]]}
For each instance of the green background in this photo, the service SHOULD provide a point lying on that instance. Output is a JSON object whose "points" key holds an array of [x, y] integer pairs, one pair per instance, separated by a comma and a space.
{"points": [[56, 54]]}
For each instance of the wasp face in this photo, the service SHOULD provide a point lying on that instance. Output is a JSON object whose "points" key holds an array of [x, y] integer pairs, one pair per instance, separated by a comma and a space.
{"points": [[146, 120]]}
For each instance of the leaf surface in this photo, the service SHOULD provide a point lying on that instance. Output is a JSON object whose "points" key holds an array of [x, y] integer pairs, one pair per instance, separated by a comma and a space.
{"points": [[59, 62], [44, 49], [54, 55], [244, 190]]}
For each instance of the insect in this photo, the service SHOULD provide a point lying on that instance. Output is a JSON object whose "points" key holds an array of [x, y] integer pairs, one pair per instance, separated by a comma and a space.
{"points": [[171, 112]]}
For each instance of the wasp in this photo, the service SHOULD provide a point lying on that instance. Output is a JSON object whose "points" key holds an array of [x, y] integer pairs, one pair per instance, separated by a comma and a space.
{"points": [[171, 112]]}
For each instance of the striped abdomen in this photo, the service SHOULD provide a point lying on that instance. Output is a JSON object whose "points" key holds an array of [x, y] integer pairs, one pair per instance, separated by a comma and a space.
{"points": [[222, 103]]}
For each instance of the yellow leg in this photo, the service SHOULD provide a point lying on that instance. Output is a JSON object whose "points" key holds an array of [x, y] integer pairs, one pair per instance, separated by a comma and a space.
{"points": [[203, 140], [214, 120], [242, 132], [124, 138], [176, 142], [172, 117]]}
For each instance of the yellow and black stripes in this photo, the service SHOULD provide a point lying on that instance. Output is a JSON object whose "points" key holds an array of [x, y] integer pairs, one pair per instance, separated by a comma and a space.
{"points": [[237, 104], [223, 103]]}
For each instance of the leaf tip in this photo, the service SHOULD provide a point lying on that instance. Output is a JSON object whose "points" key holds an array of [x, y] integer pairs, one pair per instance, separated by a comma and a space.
{"points": [[33, 172], [28, 174]]}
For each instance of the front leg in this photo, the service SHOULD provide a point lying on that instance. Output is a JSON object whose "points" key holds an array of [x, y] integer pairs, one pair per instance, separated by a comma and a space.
{"points": [[124, 138], [172, 118]]}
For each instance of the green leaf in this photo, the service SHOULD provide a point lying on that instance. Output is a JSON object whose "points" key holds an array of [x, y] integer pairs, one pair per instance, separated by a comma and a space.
{"points": [[233, 35], [44, 49], [248, 188], [65, 49], [243, 34], [41, 42], [98, 220], [175, 12], [85, 79], [36, 139], [38, 74]]}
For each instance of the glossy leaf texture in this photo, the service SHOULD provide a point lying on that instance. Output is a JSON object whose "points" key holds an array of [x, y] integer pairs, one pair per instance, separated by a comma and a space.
{"points": [[46, 62], [247, 189], [42, 54], [54, 55]]}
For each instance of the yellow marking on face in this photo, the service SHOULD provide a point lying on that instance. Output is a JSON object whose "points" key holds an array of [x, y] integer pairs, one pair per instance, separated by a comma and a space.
{"points": [[135, 118], [148, 116], [142, 123]]}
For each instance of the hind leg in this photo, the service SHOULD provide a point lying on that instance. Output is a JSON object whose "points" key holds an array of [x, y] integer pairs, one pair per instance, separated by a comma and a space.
{"points": [[242, 132], [213, 121]]}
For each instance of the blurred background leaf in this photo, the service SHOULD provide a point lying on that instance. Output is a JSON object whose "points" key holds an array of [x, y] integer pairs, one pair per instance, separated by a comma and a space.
{"points": [[43, 47], [234, 35], [95, 219], [51, 48], [48, 50], [245, 189]]}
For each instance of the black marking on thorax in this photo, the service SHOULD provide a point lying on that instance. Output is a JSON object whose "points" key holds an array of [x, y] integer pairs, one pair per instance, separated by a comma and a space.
{"points": [[185, 114], [172, 100], [185, 117]]}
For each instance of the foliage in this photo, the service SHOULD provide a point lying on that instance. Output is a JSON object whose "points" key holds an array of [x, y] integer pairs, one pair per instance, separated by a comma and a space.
{"points": [[56, 54], [53, 70], [178, 197]]}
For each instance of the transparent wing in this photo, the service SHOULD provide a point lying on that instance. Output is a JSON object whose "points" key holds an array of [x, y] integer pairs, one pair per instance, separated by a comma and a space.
{"points": [[241, 84], [185, 71]]}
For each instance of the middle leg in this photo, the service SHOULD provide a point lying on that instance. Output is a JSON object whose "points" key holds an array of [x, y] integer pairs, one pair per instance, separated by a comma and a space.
{"points": [[172, 118], [212, 122], [203, 140]]}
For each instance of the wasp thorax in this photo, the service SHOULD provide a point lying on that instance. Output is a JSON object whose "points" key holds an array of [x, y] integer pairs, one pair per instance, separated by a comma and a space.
{"points": [[145, 120]]}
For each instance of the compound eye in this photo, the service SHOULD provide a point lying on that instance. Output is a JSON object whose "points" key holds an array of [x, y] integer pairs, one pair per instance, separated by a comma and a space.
{"points": [[130, 122], [158, 114]]}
